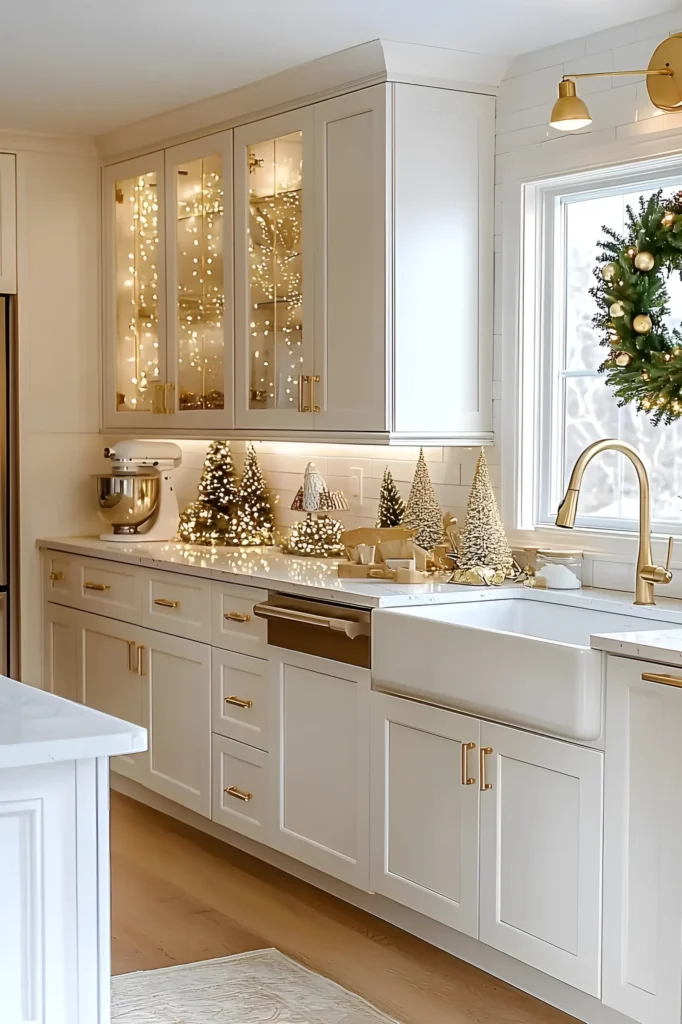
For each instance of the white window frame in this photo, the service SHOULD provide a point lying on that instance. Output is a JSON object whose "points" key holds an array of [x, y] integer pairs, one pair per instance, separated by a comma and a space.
{"points": [[527, 309]]}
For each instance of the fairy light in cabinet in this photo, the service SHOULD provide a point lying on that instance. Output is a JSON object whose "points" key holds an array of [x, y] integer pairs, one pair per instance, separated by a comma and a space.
{"points": [[276, 278]]}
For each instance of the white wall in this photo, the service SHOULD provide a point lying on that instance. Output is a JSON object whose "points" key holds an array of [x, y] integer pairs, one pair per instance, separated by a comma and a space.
{"points": [[625, 126], [58, 358]]}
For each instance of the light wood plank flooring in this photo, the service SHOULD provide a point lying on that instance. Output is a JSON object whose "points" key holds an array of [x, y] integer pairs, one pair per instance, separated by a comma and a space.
{"points": [[180, 896]]}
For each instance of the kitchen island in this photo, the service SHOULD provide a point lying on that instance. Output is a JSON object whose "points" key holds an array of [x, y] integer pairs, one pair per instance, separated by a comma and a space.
{"points": [[54, 855]]}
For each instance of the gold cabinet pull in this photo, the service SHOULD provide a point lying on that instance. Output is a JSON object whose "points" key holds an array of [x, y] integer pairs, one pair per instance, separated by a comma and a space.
{"points": [[662, 677], [239, 702], [239, 794], [165, 603], [96, 586], [169, 398], [313, 381], [56, 576], [140, 661], [303, 378], [482, 755], [132, 667], [466, 778], [237, 617]]}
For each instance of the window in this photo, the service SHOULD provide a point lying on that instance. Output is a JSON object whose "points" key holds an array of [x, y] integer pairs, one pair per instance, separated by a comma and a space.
{"points": [[576, 407]]}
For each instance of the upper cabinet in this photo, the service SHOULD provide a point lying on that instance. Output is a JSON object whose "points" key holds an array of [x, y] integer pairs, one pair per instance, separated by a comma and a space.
{"points": [[168, 288], [322, 273]]}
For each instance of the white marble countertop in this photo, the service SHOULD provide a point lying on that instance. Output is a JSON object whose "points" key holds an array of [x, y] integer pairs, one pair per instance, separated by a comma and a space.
{"points": [[660, 645], [36, 728], [260, 567]]}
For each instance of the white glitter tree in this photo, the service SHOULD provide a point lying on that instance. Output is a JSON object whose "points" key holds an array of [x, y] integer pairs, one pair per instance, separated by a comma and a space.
{"points": [[483, 541], [423, 513]]}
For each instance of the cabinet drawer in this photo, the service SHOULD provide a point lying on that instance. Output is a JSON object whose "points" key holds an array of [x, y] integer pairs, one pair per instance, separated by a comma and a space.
{"points": [[239, 686], [95, 585], [235, 627], [240, 788], [60, 576], [177, 604]]}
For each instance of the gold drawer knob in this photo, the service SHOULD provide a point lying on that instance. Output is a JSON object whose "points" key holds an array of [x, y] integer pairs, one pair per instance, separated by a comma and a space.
{"points": [[237, 617], [165, 603], [96, 586], [239, 794], [239, 702], [56, 576]]}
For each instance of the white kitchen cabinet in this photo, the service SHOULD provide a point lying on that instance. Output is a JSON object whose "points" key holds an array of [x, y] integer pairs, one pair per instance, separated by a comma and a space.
{"points": [[642, 972], [541, 853], [239, 697], [319, 763], [61, 652], [240, 788], [8, 223], [425, 810], [176, 690], [167, 233]]}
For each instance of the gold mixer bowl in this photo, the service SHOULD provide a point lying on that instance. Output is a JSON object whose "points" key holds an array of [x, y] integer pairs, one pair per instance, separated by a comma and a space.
{"points": [[127, 500]]}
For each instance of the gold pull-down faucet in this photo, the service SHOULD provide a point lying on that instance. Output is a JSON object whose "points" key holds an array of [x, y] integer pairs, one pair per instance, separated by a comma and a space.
{"points": [[647, 574]]}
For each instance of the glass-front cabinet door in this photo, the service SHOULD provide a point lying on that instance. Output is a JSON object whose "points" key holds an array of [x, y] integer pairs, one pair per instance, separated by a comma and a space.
{"points": [[135, 299], [273, 216], [199, 278]]}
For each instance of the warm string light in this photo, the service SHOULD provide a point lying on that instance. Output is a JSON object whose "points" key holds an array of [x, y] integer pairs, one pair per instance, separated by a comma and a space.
{"points": [[275, 241]]}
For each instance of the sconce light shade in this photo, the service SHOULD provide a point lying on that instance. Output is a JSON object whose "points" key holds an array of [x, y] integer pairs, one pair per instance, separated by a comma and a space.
{"points": [[569, 112]]}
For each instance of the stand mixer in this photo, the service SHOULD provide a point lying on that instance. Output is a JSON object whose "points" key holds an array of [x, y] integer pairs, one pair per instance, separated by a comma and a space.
{"points": [[137, 498]]}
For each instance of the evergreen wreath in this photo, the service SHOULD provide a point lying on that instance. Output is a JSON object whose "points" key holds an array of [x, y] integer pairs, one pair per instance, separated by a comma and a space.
{"points": [[644, 365]]}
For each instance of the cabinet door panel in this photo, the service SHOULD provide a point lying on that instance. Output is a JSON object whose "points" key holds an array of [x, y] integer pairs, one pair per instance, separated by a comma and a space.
{"points": [[200, 289], [274, 270], [350, 261], [239, 686], [61, 652], [642, 845], [134, 271], [541, 836], [319, 742], [418, 790], [110, 682], [240, 798], [177, 709]]}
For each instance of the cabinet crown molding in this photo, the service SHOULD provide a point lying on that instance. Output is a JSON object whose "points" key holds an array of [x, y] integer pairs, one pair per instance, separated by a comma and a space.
{"points": [[359, 66]]}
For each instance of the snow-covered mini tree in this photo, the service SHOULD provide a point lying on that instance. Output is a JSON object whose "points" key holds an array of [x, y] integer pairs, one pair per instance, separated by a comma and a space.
{"points": [[252, 521], [317, 534], [313, 485], [391, 505], [483, 541], [423, 513]]}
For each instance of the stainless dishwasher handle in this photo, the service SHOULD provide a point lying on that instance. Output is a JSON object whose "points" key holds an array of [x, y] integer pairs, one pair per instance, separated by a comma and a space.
{"points": [[347, 626]]}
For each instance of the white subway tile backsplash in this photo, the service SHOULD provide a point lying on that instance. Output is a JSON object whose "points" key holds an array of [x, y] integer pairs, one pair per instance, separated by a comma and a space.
{"points": [[529, 90], [621, 35], [547, 57], [659, 26]]}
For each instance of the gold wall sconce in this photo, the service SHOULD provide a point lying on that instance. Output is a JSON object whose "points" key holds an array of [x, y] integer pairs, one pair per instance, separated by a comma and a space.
{"points": [[663, 79]]}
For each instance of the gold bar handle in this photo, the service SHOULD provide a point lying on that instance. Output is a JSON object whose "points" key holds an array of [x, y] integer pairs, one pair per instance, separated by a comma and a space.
{"points": [[313, 381], [169, 398], [482, 755], [131, 656], [239, 794], [662, 677], [165, 603], [303, 378], [158, 398], [56, 576], [140, 663], [96, 586], [466, 778], [237, 617], [239, 702]]}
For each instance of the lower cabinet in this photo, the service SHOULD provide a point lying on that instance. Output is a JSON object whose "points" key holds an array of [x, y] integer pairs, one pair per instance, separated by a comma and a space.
{"points": [[158, 681], [240, 788], [319, 763], [541, 853], [424, 783], [643, 842]]}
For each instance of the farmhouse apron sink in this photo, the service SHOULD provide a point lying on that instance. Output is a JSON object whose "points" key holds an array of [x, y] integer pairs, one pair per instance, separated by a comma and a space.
{"points": [[516, 659]]}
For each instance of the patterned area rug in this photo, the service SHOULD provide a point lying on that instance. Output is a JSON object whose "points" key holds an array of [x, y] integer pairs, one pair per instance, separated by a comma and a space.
{"points": [[263, 987]]}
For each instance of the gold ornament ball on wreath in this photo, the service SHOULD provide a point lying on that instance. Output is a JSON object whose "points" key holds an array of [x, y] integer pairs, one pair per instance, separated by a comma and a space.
{"points": [[616, 310], [631, 251], [609, 271], [644, 261], [642, 323], [668, 219], [622, 359]]}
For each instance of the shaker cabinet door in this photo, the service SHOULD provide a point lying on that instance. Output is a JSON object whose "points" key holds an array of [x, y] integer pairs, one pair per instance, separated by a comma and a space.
{"points": [[643, 843], [274, 271], [425, 809], [351, 171], [541, 853]]}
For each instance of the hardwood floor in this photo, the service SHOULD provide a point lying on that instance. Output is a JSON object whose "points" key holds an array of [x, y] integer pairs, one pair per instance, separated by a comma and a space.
{"points": [[180, 896]]}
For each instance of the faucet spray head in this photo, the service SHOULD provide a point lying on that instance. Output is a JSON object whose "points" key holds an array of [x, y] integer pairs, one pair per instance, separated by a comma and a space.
{"points": [[567, 509]]}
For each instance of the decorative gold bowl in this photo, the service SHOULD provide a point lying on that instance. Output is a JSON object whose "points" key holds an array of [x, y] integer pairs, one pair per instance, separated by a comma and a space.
{"points": [[127, 500]]}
